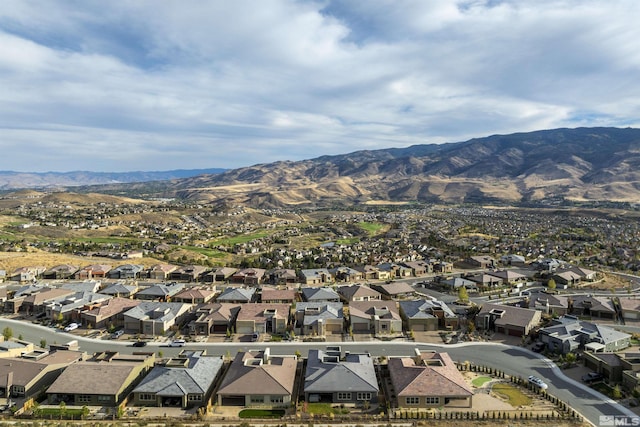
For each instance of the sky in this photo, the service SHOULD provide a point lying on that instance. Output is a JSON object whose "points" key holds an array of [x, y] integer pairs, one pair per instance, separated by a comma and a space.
{"points": [[123, 85]]}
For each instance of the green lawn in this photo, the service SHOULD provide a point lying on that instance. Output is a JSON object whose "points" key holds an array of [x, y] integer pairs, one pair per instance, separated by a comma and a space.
{"points": [[55, 412], [239, 239], [211, 253], [372, 228], [349, 241], [514, 396], [261, 413], [480, 381]]}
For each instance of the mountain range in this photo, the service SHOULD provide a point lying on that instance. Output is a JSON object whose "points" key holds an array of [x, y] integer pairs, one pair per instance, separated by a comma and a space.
{"points": [[542, 167]]}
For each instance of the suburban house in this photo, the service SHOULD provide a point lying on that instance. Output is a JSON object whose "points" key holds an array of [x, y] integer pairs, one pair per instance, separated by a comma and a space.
{"points": [[184, 381], [428, 380], [92, 272], [155, 318], [317, 276], [507, 319], [375, 317], [333, 377], [568, 334], [214, 318], [60, 272], [394, 290], [262, 318], [396, 271], [14, 347], [612, 366], [480, 261], [32, 301], [70, 307], [427, 315], [116, 374], [578, 305], [460, 282], [248, 276], [485, 281], [126, 271], [509, 276], [160, 292], [220, 274], [83, 286], [370, 272], [237, 295], [120, 290], [109, 313], [161, 271], [319, 318], [319, 294], [28, 274], [26, 378], [188, 273], [630, 307], [345, 274], [358, 293], [269, 294], [274, 374], [513, 259], [419, 268], [282, 276], [442, 267], [195, 295]]}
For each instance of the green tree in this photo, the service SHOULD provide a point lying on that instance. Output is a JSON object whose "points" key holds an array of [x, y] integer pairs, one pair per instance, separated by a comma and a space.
{"points": [[7, 333], [616, 393], [43, 343], [570, 358], [85, 412], [463, 295], [63, 409], [551, 284]]}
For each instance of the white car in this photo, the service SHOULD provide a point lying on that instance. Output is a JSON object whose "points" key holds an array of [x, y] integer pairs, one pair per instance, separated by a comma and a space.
{"points": [[177, 343], [537, 382], [71, 326]]}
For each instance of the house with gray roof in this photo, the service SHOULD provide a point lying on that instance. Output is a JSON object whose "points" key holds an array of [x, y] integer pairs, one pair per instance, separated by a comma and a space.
{"points": [[319, 294], [126, 271], [237, 295], [568, 334], [184, 381], [155, 318], [346, 274], [214, 318], [219, 274], [334, 377], [160, 292], [394, 290], [70, 307], [319, 318], [458, 282], [60, 272], [188, 273], [427, 315], [84, 286], [120, 290]]}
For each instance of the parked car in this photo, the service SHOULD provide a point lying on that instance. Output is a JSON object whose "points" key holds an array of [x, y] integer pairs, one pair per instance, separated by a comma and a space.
{"points": [[71, 326], [139, 343], [537, 382], [177, 343], [592, 377], [117, 334], [538, 347], [255, 337]]}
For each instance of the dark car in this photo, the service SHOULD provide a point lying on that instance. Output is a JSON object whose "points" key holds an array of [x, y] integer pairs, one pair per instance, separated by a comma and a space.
{"points": [[592, 377], [538, 347], [139, 343]]}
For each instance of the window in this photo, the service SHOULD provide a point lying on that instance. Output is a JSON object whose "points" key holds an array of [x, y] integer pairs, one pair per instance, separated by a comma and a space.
{"points": [[344, 396], [412, 400], [194, 397], [146, 396], [383, 326], [277, 399], [257, 399], [104, 398], [432, 400], [84, 398], [364, 396], [17, 390]]}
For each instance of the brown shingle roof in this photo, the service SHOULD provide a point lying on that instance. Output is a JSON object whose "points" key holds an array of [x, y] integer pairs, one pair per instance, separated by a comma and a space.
{"points": [[276, 377]]}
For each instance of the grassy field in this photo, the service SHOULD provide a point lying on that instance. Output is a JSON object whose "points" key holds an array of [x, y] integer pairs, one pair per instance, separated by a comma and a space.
{"points": [[245, 238], [480, 381], [513, 395], [372, 228]]}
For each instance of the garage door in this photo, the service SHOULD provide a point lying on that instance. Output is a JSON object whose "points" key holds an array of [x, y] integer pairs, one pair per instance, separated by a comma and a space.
{"points": [[220, 328], [417, 327]]}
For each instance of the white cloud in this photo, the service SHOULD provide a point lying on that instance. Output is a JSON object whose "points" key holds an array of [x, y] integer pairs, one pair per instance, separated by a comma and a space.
{"points": [[162, 85]]}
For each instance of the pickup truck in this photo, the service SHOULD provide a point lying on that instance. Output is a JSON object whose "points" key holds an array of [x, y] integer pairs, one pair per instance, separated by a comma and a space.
{"points": [[592, 377]]}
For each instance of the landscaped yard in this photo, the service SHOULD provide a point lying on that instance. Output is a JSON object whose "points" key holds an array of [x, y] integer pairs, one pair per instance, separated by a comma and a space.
{"points": [[261, 413], [514, 396], [324, 409], [480, 381]]}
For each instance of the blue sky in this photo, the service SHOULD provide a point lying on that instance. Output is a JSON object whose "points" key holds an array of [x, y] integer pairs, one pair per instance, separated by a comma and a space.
{"points": [[158, 85]]}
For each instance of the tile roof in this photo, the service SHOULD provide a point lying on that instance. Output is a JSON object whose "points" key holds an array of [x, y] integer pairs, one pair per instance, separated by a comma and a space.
{"points": [[275, 375]]}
